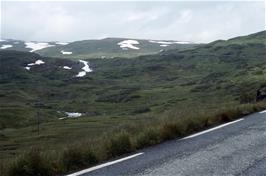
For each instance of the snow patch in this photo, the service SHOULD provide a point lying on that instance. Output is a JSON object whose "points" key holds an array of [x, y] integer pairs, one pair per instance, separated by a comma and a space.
{"points": [[6, 46], [37, 46], [37, 62], [162, 42], [86, 69], [81, 74], [61, 43], [164, 45], [128, 44], [169, 42], [73, 114], [27, 68], [66, 52], [1, 40], [182, 42], [67, 67]]}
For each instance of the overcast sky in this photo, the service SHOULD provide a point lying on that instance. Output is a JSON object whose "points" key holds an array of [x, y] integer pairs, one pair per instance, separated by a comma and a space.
{"points": [[80, 20]]}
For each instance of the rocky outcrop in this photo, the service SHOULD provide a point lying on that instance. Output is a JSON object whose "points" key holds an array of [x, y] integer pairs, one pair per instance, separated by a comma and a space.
{"points": [[261, 94]]}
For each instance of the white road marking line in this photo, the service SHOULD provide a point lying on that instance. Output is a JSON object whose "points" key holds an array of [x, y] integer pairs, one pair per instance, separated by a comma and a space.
{"points": [[262, 112], [212, 129], [104, 165]]}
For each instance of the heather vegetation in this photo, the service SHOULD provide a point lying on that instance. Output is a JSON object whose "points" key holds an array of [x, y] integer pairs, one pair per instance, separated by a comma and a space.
{"points": [[126, 104]]}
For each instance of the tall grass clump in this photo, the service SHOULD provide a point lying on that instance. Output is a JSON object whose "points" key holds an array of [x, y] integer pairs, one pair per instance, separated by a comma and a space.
{"points": [[147, 137], [117, 144], [75, 157], [171, 129], [3, 167], [31, 163]]}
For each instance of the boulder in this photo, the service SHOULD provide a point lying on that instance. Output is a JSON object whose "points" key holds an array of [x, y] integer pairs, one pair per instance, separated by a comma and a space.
{"points": [[261, 94]]}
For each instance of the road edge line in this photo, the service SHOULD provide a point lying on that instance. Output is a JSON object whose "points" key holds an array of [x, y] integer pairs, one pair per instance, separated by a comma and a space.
{"points": [[212, 129], [104, 165]]}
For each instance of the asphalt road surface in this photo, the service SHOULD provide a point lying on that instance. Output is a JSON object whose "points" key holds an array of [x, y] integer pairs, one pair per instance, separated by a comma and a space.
{"points": [[234, 148]]}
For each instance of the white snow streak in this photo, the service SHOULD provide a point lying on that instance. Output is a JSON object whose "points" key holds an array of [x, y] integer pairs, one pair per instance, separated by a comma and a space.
{"points": [[182, 42], [61, 43], [86, 69], [162, 42], [81, 74], [73, 114], [37, 46], [128, 44], [67, 67], [169, 42], [66, 52], [27, 68], [37, 62], [6, 46]]}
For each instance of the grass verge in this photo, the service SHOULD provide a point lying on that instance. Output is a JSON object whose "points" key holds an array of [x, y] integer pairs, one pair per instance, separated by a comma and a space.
{"points": [[119, 142]]}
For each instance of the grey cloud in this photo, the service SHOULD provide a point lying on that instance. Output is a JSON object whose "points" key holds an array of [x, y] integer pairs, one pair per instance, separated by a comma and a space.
{"points": [[189, 21]]}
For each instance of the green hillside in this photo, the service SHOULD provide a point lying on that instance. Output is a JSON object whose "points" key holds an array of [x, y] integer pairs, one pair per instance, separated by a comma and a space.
{"points": [[122, 91], [258, 38]]}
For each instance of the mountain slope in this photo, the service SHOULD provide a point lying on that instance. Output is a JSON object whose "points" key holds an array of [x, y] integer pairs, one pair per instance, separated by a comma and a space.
{"points": [[256, 38], [19, 45], [176, 77], [113, 47], [105, 48], [135, 91]]}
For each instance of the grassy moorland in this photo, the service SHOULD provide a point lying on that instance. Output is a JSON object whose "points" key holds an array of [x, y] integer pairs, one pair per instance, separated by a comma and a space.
{"points": [[127, 104]]}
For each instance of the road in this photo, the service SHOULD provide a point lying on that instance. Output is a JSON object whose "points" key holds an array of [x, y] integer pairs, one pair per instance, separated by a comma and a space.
{"points": [[235, 148]]}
